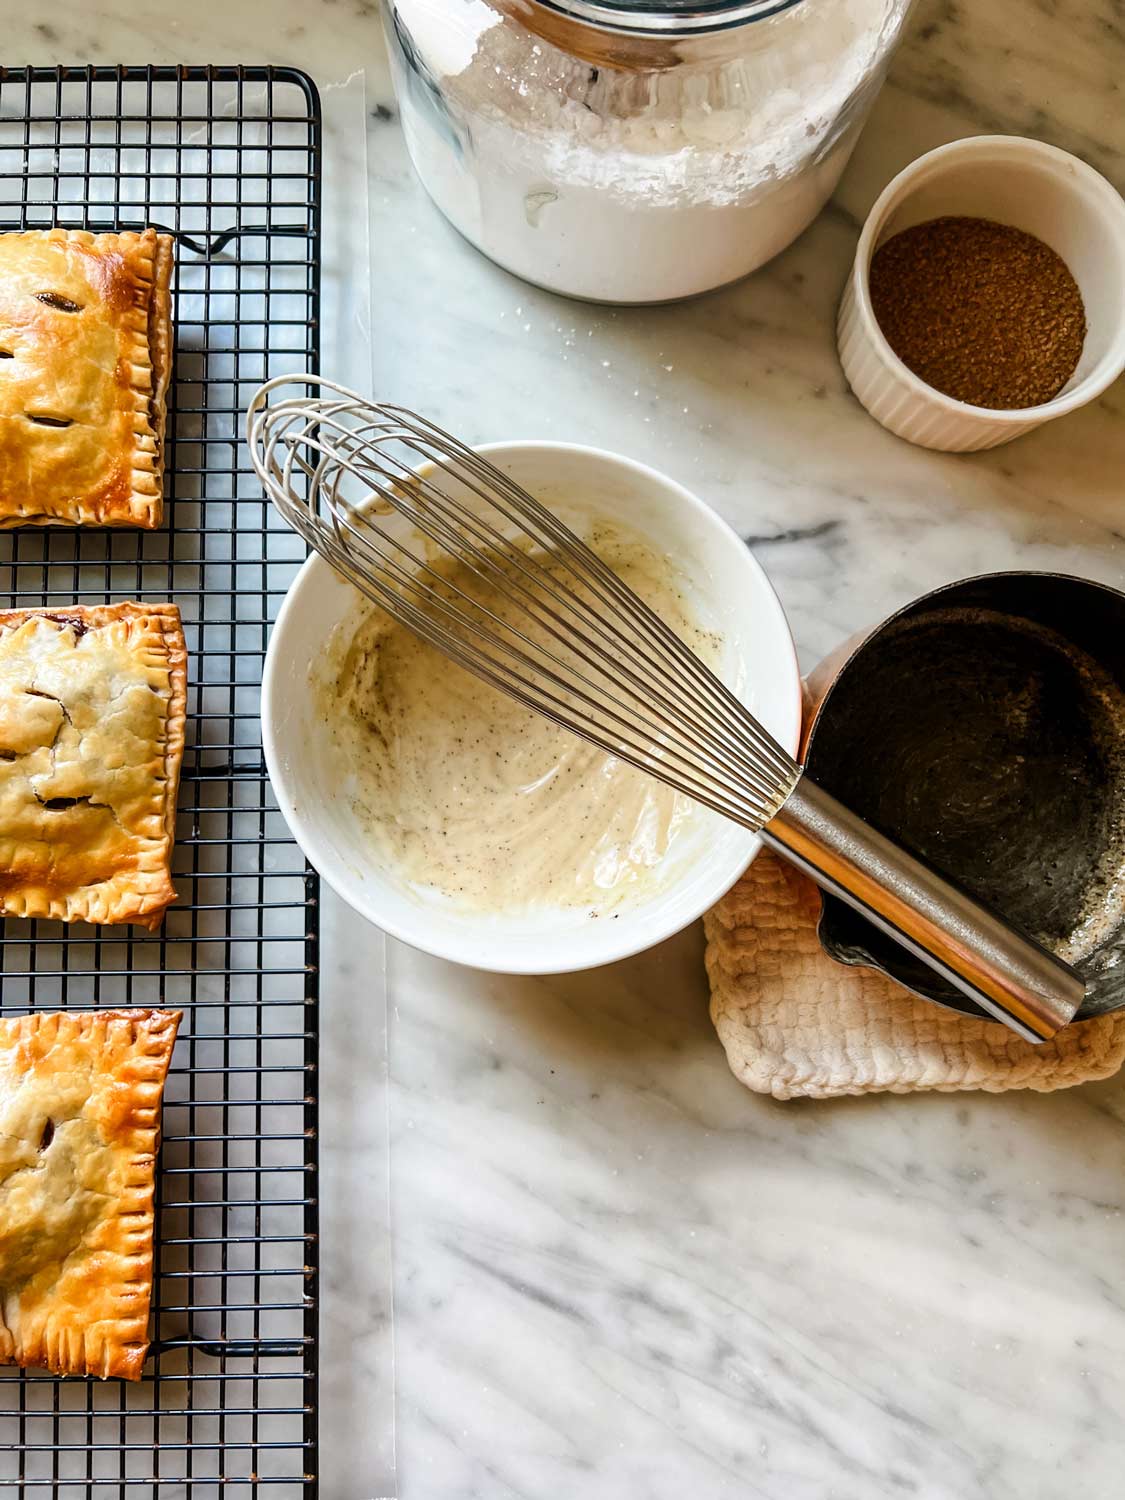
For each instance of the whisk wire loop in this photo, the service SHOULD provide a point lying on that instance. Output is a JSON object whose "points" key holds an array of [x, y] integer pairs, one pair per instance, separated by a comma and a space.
{"points": [[607, 587], [546, 601], [600, 580], [505, 678], [578, 646]]}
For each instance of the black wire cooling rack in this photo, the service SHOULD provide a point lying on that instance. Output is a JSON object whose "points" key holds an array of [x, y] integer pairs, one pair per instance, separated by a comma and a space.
{"points": [[228, 160]]}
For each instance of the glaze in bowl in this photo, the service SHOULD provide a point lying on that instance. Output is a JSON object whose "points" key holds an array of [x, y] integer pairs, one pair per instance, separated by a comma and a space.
{"points": [[983, 726], [728, 594]]}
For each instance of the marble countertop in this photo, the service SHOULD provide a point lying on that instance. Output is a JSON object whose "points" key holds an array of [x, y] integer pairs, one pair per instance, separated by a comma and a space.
{"points": [[617, 1274]]}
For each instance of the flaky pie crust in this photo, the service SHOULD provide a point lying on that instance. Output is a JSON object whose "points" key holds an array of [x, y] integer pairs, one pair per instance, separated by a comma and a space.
{"points": [[92, 714], [80, 1097], [85, 358]]}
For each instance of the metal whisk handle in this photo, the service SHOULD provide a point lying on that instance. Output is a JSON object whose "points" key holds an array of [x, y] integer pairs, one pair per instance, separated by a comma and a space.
{"points": [[1011, 977]]}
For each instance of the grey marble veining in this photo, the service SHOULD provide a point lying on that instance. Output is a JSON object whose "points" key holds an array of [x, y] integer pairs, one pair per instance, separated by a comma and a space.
{"points": [[616, 1273]]}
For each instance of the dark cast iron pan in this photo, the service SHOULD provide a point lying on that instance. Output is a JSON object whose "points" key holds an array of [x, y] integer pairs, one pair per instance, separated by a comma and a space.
{"points": [[983, 727]]}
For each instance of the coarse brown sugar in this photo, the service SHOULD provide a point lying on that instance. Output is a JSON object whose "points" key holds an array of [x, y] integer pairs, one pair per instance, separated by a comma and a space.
{"points": [[981, 311]]}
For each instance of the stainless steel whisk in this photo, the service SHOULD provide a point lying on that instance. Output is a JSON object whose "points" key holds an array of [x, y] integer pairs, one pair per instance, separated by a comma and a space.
{"points": [[390, 500]]}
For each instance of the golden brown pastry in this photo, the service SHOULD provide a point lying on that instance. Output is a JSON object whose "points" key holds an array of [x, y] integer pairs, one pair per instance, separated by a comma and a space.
{"points": [[79, 1131], [92, 709], [85, 355]]}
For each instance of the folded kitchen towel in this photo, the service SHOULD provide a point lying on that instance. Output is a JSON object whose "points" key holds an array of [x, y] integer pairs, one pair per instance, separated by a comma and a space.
{"points": [[796, 1024]]}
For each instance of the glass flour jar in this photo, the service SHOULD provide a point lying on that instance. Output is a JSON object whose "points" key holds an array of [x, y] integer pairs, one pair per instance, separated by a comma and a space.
{"points": [[636, 151]]}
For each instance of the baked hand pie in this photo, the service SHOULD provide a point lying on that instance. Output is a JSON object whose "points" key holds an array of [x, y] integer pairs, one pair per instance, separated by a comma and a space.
{"points": [[92, 709], [85, 356], [80, 1101]]}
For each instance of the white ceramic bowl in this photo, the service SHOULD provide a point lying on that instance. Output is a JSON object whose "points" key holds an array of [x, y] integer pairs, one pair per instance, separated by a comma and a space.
{"points": [[1017, 181], [727, 591]]}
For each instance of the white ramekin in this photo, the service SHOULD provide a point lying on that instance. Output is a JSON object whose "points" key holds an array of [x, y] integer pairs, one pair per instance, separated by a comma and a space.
{"points": [[1016, 181], [728, 592]]}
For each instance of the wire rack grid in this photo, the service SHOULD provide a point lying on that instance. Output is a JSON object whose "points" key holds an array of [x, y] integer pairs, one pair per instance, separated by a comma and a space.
{"points": [[229, 161]]}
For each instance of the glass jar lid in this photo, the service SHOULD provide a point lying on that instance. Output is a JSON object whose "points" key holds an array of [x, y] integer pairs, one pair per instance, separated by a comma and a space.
{"points": [[666, 18]]}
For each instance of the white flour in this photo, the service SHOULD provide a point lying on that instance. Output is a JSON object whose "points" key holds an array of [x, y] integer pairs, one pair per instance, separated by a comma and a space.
{"points": [[636, 186]]}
